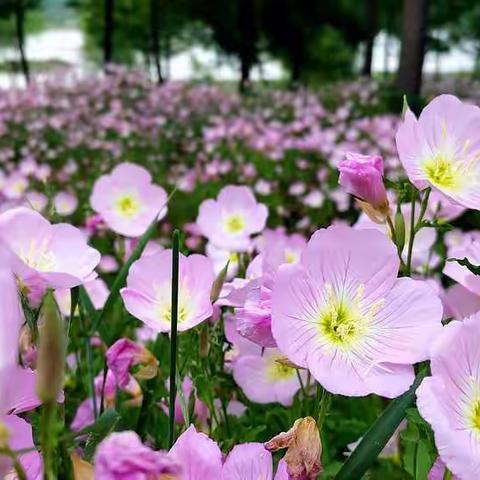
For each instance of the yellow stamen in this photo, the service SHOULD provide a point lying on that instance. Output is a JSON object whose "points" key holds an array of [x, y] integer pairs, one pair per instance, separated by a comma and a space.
{"points": [[127, 205], [234, 223]]}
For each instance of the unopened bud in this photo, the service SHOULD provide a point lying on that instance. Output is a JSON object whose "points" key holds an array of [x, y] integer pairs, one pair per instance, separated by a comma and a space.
{"points": [[304, 449], [399, 230], [51, 351], [218, 283]]}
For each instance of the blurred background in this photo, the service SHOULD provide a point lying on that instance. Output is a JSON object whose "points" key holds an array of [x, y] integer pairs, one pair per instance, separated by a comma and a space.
{"points": [[408, 43]]}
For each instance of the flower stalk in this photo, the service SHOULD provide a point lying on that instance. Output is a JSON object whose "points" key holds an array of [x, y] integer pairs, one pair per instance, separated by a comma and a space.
{"points": [[173, 337]]}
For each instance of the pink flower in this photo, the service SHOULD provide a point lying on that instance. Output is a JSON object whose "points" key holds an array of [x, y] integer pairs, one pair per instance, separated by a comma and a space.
{"points": [[20, 438], [46, 255], [442, 208], [123, 355], [461, 274], [254, 318], [122, 456], [199, 456], [343, 314], [362, 176], [65, 203], [437, 471], [96, 289], [11, 318], [460, 302], [264, 380], [441, 148], [229, 221], [450, 399], [250, 461], [127, 199], [148, 292], [17, 385], [424, 239]]}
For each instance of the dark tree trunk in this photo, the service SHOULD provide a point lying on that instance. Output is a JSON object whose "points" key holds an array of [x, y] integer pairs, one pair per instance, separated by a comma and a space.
{"points": [[371, 26], [414, 26], [154, 33], [367, 60], [247, 15], [108, 31], [20, 31]]}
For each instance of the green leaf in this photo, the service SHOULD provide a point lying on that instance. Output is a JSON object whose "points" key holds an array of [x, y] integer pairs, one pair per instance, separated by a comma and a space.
{"points": [[99, 430], [379, 433], [423, 461], [405, 107], [464, 262]]}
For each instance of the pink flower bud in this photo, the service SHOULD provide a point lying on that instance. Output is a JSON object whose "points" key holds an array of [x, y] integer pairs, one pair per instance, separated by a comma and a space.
{"points": [[362, 176]]}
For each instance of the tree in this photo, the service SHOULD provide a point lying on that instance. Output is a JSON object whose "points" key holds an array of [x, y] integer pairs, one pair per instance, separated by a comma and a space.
{"points": [[414, 28], [315, 37], [371, 28], [16, 10], [108, 28], [154, 28], [235, 28]]}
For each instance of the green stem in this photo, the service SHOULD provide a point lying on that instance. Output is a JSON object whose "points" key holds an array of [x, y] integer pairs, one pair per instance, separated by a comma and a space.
{"points": [[89, 354], [416, 226], [17, 466], [412, 234], [423, 209], [48, 439], [392, 229], [173, 337], [302, 386], [324, 407]]}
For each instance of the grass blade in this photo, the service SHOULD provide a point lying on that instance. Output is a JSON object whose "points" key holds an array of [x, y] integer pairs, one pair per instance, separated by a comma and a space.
{"points": [[379, 433], [173, 337], [119, 281]]}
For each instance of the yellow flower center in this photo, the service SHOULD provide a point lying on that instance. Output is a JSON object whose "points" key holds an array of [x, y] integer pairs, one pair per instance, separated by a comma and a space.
{"points": [[127, 206], [443, 172], [234, 223], [278, 371], [474, 419], [290, 257], [341, 319], [182, 314]]}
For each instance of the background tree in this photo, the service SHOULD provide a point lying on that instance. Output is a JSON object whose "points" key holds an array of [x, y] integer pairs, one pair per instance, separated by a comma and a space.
{"points": [[235, 28], [14, 15], [414, 29]]}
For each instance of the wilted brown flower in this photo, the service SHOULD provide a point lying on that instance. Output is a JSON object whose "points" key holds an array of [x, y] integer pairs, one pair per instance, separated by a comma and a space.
{"points": [[304, 449]]}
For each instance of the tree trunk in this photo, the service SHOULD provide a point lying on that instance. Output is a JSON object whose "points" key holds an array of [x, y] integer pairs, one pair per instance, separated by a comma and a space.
{"points": [[108, 32], [20, 31], [248, 40], [154, 33], [414, 26], [371, 26], [367, 60]]}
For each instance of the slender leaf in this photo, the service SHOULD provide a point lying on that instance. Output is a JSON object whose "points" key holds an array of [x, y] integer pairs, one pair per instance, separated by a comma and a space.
{"points": [[99, 430], [379, 433], [464, 262], [173, 336]]}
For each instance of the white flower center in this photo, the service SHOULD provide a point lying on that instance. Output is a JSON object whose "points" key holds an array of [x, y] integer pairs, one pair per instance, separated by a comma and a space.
{"points": [[38, 256]]}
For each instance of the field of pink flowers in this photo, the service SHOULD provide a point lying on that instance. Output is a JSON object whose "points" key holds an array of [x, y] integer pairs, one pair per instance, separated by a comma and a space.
{"points": [[196, 285]]}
